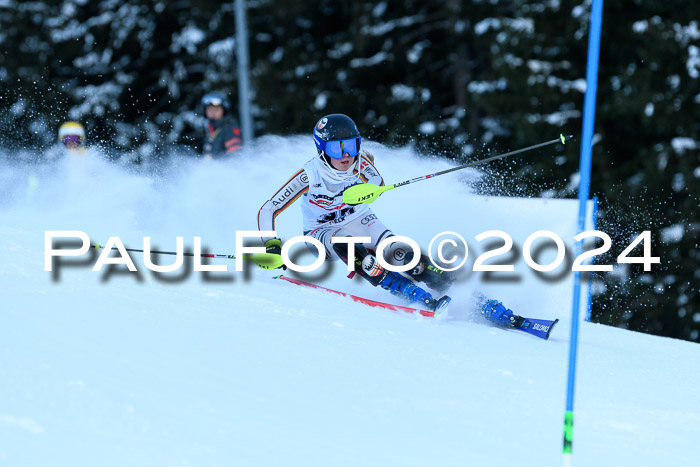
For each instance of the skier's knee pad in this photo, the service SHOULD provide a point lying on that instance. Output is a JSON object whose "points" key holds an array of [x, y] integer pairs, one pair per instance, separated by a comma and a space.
{"points": [[366, 263], [371, 270], [420, 267], [433, 276], [397, 253]]}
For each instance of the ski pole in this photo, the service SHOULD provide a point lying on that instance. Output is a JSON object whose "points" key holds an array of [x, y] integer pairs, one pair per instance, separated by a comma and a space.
{"points": [[368, 192], [98, 246], [263, 260]]}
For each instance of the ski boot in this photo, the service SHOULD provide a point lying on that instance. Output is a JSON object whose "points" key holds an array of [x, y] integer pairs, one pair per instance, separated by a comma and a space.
{"points": [[400, 286], [429, 274], [495, 312], [440, 305]]}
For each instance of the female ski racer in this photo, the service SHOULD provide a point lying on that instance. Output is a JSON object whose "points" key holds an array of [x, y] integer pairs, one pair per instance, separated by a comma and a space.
{"points": [[320, 185]]}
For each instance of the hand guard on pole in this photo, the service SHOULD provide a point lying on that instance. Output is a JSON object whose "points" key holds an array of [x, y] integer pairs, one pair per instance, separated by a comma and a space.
{"points": [[273, 255]]}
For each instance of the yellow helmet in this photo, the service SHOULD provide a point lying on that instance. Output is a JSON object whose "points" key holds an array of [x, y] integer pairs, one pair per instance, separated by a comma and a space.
{"points": [[71, 129]]}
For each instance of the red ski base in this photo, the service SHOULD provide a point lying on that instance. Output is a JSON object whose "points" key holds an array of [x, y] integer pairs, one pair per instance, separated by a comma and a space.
{"points": [[388, 306]]}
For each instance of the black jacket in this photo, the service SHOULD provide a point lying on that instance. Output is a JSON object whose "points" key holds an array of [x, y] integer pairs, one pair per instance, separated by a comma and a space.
{"points": [[223, 137]]}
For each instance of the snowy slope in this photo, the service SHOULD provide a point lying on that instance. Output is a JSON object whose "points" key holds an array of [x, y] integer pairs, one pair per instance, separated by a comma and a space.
{"points": [[118, 368]]}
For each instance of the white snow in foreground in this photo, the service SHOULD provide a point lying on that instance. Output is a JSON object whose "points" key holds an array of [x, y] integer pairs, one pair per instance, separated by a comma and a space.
{"points": [[220, 369]]}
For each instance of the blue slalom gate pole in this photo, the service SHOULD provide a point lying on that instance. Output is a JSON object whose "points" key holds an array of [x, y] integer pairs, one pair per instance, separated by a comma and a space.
{"points": [[589, 308], [583, 193]]}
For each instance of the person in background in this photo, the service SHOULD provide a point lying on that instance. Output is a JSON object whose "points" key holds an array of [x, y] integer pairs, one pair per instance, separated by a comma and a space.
{"points": [[223, 136], [70, 146], [72, 136]]}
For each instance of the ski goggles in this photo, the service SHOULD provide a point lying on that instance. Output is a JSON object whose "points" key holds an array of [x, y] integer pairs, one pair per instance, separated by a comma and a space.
{"points": [[338, 149], [212, 100], [72, 139]]}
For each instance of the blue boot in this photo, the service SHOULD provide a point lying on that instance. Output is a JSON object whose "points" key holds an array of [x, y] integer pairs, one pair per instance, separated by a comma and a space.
{"points": [[400, 285], [494, 311], [404, 287]]}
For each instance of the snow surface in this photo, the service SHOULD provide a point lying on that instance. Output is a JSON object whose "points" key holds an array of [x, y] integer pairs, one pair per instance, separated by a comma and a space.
{"points": [[115, 368]]}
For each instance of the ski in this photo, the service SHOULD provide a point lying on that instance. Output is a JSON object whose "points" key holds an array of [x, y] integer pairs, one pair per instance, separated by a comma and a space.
{"points": [[366, 301], [537, 327]]}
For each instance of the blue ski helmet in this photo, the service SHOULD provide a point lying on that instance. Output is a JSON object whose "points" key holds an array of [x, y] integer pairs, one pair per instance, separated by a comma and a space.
{"points": [[337, 135]]}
